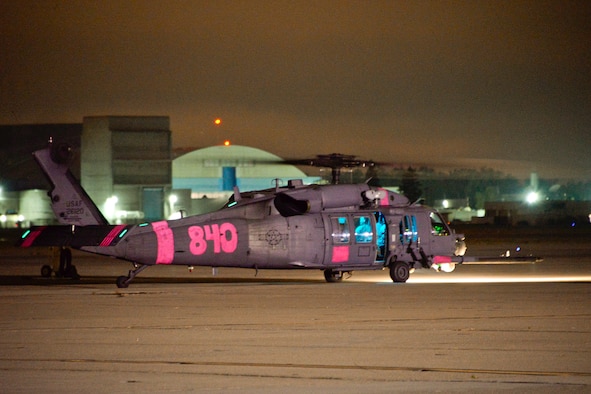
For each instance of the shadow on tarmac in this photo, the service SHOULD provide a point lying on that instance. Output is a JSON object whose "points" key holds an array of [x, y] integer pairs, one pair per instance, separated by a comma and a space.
{"points": [[26, 280]]}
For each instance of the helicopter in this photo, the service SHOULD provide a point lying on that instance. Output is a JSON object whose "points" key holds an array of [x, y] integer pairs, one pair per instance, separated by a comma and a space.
{"points": [[336, 228]]}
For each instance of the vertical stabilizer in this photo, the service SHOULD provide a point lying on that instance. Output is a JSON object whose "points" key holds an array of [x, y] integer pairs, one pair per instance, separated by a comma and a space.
{"points": [[70, 203]]}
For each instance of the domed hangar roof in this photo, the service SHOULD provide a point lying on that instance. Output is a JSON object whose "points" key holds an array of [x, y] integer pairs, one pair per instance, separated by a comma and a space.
{"points": [[212, 169]]}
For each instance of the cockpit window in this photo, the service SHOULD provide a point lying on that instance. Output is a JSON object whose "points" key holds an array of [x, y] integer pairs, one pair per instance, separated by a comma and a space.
{"points": [[438, 226]]}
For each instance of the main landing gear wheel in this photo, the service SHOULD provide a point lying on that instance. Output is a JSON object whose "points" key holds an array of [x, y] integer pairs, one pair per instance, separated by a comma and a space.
{"points": [[46, 271], [399, 271], [333, 276]]}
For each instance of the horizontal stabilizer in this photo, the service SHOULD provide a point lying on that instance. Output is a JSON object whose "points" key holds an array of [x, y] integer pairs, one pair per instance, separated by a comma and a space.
{"points": [[73, 236]]}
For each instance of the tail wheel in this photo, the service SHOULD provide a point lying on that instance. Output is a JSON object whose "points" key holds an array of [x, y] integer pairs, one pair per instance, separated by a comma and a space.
{"points": [[399, 271], [333, 276], [46, 271], [123, 282]]}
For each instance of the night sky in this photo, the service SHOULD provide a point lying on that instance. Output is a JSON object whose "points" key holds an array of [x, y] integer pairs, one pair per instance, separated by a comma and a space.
{"points": [[503, 84]]}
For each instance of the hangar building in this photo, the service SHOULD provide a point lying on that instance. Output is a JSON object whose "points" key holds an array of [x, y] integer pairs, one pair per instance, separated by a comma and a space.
{"points": [[207, 176], [125, 165]]}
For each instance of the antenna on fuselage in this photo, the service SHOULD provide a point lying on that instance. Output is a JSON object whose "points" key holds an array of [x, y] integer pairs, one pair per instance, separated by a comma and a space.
{"points": [[277, 183], [237, 196]]}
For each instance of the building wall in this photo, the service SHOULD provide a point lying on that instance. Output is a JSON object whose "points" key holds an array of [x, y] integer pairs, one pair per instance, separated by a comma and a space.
{"points": [[96, 174], [545, 212], [35, 207], [126, 165]]}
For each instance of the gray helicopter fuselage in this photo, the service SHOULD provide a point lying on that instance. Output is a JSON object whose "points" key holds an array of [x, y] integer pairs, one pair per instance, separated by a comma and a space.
{"points": [[256, 235]]}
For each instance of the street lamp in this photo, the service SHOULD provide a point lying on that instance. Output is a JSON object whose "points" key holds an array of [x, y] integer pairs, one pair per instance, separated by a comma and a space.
{"points": [[172, 199], [532, 197], [110, 207]]}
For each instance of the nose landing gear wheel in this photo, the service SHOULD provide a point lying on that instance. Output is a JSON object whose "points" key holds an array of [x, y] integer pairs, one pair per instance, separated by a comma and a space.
{"points": [[399, 272]]}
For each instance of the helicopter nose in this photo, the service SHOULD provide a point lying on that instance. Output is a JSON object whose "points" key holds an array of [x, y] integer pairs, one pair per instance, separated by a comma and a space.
{"points": [[460, 246]]}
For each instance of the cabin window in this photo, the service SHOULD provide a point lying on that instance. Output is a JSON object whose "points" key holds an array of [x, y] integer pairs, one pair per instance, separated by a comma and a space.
{"points": [[408, 230], [340, 230], [363, 229]]}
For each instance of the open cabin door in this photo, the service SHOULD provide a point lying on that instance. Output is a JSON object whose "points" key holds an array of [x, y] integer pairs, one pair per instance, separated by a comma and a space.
{"points": [[352, 240]]}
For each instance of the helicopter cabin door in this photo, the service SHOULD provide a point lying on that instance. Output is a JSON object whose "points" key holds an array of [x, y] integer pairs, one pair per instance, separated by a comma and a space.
{"points": [[414, 247], [352, 240], [409, 236]]}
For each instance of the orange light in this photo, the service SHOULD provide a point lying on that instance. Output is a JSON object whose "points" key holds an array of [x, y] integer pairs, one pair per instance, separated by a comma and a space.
{"points": [[227, 143], [217, 121]]}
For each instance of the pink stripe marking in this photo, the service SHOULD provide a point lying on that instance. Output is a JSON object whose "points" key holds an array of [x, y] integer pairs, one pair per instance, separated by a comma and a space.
{"points": [[441, 259], [165, 242], [112, 234], [340, 254], [385, 201], [31, 237]]}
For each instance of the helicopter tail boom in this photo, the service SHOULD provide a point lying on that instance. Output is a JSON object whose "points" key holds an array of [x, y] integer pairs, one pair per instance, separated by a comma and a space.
{"points": [[73, 236]]}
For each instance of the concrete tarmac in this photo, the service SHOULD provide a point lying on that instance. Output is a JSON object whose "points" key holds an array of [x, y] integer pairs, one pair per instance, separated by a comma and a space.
{"points": [[493, 328]]}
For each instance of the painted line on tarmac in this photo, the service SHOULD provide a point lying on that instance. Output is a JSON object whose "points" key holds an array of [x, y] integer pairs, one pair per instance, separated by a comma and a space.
{"points": [[309, 366]]}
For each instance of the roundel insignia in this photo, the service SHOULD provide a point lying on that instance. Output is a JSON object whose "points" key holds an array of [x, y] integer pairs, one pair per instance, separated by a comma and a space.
{"points": [[273, 237]]}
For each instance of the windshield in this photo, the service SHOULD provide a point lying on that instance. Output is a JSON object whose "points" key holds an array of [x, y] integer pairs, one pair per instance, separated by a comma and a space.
{"points": [[438, 226]]}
